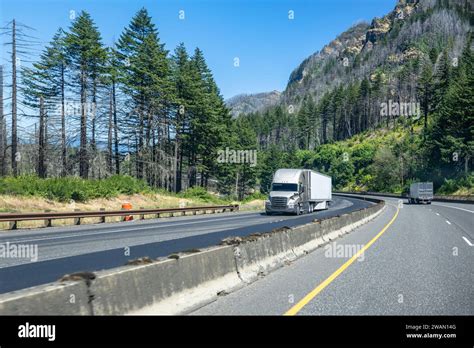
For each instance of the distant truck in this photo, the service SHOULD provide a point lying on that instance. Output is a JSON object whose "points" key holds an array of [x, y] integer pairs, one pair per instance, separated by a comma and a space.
{"points": [[421, 192], [298, 191]]}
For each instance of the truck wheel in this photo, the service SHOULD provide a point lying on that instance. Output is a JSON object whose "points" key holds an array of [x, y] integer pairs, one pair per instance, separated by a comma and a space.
{"points": [[268, 213], [298, 210]]}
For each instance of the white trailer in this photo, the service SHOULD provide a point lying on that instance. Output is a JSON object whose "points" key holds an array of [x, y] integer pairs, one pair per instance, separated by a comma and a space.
{"points": [[298, 191], [320, 187], [421, 192]]}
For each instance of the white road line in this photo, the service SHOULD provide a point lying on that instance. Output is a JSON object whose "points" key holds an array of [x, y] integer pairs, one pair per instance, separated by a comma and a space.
{"points": [[448, 222], [467, 241], [437, 214], [448, 206]]}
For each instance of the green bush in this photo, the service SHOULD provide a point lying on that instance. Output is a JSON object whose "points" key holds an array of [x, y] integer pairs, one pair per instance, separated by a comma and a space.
{"points": [[65, 189], [254, 196], [201, 194], [465, 183]]}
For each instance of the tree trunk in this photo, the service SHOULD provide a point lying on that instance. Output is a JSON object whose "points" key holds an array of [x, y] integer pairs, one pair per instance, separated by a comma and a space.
{"points": [[63, 125], [15, 157], [109, 137], [41, 142], [83, 160], [94, 122], [117, 155], [177, 178], [140, 144], [3, 134]]}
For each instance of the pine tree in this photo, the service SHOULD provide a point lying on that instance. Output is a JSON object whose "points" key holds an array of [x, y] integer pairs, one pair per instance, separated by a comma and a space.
{"points": [[111, 80], [186, 80], [441, 77], [38, 93], [85, 53], [145, 79], [212, 120], [453, 134], [425, 92]]}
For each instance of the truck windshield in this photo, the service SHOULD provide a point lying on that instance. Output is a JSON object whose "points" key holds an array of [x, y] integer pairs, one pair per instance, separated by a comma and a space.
{"points": [[285, 187]]}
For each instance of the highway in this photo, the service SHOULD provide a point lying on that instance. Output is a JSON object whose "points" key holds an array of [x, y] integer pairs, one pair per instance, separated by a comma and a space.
{"points": [[413, 260], [63, 250]]}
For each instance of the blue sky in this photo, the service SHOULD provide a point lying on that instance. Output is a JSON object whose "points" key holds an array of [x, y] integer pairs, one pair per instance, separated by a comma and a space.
{"points": [[268, 44]]}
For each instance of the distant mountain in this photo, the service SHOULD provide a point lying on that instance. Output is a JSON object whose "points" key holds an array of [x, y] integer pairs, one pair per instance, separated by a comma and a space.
{"points": [[247, 103], [413, 30]]}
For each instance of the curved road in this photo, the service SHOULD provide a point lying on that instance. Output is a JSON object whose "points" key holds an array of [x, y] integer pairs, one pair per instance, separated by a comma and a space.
{"points": [[418, 260], [63, 250]]}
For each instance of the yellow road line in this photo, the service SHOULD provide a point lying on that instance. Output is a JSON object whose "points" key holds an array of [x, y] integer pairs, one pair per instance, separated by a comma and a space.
{"points": [[305, 300]]}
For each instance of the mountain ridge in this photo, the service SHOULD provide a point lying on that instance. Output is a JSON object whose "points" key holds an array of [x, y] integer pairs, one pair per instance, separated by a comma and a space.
{"points": [[364, 48]]}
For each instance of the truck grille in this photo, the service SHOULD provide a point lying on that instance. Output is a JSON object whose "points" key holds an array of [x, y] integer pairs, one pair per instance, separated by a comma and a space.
{"points": [[279, 202]]}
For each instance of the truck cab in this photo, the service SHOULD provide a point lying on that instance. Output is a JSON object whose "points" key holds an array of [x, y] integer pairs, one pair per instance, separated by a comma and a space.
{"points": [[298, 191]]}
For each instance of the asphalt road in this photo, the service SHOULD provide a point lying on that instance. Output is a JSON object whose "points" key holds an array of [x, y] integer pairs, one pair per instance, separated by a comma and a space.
{"points": [[63, 250], [421, 264]]}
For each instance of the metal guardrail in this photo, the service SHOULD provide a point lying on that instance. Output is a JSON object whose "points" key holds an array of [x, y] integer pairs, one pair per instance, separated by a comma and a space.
{"points": [[77, 215], [454, 199]]}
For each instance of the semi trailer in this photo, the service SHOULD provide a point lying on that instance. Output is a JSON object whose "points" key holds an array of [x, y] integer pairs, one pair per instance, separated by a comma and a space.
{"points": [[298, 191], [421, 192]]}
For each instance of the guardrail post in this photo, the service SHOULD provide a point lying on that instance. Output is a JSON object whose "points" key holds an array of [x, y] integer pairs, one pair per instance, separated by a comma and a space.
{"points": [[47, 222], [123, 217], [142, 216], [194, 212], [158, 215], [77, 221], [183, 212], [13, 225], [102, 218]]}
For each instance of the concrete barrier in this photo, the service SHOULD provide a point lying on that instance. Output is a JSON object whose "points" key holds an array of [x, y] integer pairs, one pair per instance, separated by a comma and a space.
{"points": [[70, 298], [276, 249], [469, 199], [186, 281], [131, 288]]}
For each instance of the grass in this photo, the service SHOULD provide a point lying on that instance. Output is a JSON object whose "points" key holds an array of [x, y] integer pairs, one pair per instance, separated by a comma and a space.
{"points": [[72, 188], [32, 194]]}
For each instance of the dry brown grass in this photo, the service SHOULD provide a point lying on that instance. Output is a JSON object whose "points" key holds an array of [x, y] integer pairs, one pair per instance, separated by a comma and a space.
{"points": [[149, 201]]}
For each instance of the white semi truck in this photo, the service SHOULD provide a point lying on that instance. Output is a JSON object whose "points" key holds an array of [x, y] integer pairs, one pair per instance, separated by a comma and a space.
{"points": [[421, 192], [298, 191]]}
